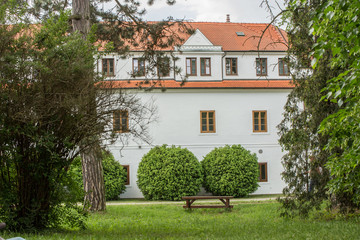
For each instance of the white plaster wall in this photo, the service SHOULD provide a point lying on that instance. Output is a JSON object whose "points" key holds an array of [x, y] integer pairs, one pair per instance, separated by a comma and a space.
{"points": [[179, 124]]}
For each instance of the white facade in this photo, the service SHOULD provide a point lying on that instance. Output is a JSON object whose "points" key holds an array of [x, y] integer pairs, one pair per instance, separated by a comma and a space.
{"points": [[179, 109]]}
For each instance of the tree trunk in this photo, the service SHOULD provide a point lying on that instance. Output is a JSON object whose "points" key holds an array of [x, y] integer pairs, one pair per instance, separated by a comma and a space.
{"points": [[93, 178], [81, 16]]}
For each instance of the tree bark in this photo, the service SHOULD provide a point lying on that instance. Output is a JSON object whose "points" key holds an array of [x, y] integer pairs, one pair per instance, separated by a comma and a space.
{"points": [[93, 178], [81, 16]]}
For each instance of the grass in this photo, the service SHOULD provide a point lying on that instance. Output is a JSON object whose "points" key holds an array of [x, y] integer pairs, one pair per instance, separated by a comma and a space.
{"points": [[245, 221]]}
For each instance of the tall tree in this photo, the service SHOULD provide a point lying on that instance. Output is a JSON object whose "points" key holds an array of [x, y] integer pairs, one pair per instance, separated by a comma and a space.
{"points": [[25, 159], [44, 91], [46, 112], [124, 28], [93, 178], [337, 25], [305, 157]]}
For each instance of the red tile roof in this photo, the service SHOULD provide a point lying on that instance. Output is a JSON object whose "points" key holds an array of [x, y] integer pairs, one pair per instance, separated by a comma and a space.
{"points": [[227, 84], [224, 34]]}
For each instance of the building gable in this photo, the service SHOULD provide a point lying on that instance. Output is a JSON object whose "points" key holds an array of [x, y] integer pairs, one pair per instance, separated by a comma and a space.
{"points": [[198, 42], [198, 39]]}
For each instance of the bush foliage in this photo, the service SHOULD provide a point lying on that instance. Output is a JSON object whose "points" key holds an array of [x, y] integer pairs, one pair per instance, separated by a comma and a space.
{"points": [[114, 176], [230, 170], [168, 173]]}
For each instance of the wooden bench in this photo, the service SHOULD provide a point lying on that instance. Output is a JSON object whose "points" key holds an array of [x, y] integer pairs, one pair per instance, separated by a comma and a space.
{"points": [[191, 199]]}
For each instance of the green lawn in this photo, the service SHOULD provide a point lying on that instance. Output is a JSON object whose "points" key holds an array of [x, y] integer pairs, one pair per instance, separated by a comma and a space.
{"points": [[245, 221]]}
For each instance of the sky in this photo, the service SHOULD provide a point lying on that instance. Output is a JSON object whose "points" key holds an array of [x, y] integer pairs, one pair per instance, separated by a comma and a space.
{"points": [[244, 11]]}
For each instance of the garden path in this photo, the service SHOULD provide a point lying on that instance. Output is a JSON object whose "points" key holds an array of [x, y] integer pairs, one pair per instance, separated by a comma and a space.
{"points": [[144, 202]]}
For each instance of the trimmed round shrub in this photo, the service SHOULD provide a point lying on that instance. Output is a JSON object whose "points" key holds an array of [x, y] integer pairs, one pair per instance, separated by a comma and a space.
{"points": [[114, 176], [168, 173], [230, 171]]}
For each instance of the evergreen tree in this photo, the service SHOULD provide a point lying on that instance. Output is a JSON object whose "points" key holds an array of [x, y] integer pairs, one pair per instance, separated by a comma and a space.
{"points": [[305, 158]]}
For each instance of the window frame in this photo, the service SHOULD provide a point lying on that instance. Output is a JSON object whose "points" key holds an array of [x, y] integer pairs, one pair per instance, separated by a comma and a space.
{"points": [[127, 167], [207, 121], [107, 72], [191, 65], [284, 63], [203, 61], [121, 130], [231, 66], [159, 72], [138, 73], [259, 121], [266, 172], [259, 61]]}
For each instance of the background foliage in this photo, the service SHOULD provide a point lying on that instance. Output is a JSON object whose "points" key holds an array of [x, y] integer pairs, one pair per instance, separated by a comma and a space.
{"points": [[342, 40], [230, 171], [168, 173]]}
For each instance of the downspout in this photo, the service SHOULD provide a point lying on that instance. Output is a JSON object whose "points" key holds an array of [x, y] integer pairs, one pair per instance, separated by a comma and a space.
{"points": [[222, 66]]}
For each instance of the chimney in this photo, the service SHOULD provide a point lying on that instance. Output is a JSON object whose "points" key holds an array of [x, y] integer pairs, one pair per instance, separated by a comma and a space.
{"points": [[227, 17]]}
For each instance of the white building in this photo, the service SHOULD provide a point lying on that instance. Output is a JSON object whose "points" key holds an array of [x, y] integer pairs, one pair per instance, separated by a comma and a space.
{"points": [[234, 95]]}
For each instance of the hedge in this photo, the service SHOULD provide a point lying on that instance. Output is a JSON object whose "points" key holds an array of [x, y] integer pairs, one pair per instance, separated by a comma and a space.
{"points": [[168, 173], [230, 171]]}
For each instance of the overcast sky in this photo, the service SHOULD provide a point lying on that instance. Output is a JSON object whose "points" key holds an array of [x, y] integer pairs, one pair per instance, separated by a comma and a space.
{"points": [[245, 11]]}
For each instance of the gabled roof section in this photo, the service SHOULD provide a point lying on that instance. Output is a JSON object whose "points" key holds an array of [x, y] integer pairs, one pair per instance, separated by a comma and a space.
{"points": [[197, 39], [198, 42]]}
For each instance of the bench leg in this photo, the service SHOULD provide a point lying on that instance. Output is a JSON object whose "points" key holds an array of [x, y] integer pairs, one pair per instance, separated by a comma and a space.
{"points": [[188, 204]]}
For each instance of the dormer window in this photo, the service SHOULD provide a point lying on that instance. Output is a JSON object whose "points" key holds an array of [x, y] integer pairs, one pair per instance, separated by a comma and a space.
{"points": [[108, 66], [205, 66], [191, 66]]}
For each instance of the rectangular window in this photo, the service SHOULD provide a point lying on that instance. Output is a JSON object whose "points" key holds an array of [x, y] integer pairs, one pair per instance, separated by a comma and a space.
{"points": [[191, 66], [121, 121], [207, 121], [127, 169], [108, 67], [231, 66], [163, 67], [283, 67], [205, 66], [261, 66], [259, 121], [138, 67], [263, 172]]}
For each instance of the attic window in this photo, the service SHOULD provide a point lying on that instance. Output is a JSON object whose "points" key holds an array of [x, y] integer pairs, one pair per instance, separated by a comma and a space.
{"points": [[240, 34]]}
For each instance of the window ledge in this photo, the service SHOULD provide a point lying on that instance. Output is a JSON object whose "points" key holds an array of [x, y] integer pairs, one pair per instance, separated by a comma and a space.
{"points": [[208, 134], [260, 133], [264, 183]]}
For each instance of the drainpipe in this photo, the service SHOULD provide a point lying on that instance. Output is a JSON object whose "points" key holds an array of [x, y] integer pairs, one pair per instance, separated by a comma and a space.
{"points": [[222, 66]]}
